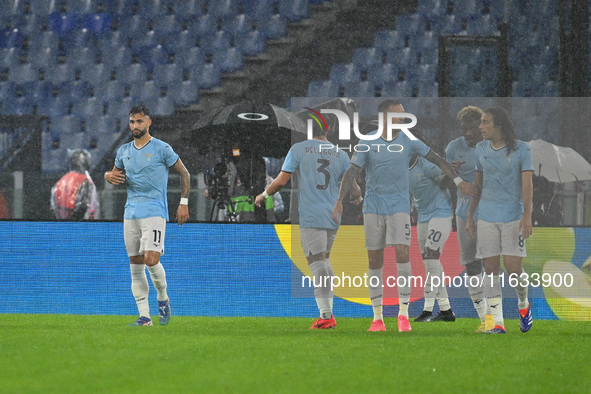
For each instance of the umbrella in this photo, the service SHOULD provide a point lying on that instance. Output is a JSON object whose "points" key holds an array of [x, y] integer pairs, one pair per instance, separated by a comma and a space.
{"points": [[262, 129], [558, 163]]}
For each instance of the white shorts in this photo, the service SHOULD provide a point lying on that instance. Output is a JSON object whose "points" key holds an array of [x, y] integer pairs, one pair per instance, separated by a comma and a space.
{"points": [[144, 234], [500, 239], [317, 240], [433, 234], [467, 244], [382, 230]]}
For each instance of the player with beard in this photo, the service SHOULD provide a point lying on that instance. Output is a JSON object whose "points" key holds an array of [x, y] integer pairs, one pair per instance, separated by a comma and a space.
{"points": [[143, 165]]}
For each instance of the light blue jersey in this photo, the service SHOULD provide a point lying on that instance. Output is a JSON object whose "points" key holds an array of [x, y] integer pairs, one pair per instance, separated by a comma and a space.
{"points": [[502, 197], [146, 173], [386, 178], [458, 149], [319, 166], [429, 199]]}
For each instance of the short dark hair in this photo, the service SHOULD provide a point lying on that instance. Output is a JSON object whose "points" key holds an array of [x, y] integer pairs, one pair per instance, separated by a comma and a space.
{"points": [[140, 109], [384, 105]]}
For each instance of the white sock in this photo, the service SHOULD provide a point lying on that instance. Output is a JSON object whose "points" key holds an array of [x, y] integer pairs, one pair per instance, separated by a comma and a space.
{"points": [[442, 296], [158, 277], [522, 289], [376, 292], [140, 288], [492, 289], [430, 291], [404, 271], [476, 291], [331, 273], [321, 280]]}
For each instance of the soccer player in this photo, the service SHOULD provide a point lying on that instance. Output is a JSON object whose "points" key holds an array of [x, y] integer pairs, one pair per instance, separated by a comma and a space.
{"points": [[461, 154], [386, 210], [319, 165], [433, 204], [504, 172], [143, 164]]}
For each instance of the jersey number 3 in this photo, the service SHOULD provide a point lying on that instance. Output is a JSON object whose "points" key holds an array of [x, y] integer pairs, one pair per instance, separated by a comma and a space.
{"points": [[322, 168]]}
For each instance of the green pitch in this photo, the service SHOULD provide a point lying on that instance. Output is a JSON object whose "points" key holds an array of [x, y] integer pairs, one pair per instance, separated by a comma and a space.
{"points": [[66, 353]]}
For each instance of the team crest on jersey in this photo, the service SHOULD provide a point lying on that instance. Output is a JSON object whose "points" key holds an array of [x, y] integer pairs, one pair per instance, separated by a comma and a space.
{"points": [[149, 156]]}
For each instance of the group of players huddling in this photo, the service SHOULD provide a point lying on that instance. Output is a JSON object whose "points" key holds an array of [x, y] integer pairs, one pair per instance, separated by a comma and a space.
{"points": [[493, 174]]}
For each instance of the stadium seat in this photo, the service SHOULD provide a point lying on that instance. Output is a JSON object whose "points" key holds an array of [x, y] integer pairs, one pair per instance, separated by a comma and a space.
{"points": [[432, 9], [184, 93], [450, 25], [38, 91], [150, 58], [43, 7], [101, 124], [81, 6], [166, 74], [60, 73], [403, 58], [389, 39], [273, 27], [466, 8], [11, 38], [133, 26], [260, 10], [77, 90], [97, 23], [483, 25], [359, 89], [322, 89], [32, 25], [365, 58], [409, 25], [294, 10], [97, 74], [203, 26], [18, 106], [161, 106], [343, 73], [55, 161], [428, 89], [189, 7], [253, 43], [10, 57], [168, 24], [397, 89], [121, 110], [229, 61], [23, 73], [8, 90], [76, 140], [144, 91], [131, 74], [63, 23], [181, 41], [88, 107], [191, 57], [153, 8], [219, 41], [223, 9], [239, 26], [207, 76]]}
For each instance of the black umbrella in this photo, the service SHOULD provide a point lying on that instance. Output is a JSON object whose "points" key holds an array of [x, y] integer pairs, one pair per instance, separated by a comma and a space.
{"points": [[261, 129]]}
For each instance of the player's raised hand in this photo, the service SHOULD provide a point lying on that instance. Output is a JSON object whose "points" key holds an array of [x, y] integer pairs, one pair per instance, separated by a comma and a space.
{"points": [[115, 176], [258, 201], [337, 211], [182, 214]]}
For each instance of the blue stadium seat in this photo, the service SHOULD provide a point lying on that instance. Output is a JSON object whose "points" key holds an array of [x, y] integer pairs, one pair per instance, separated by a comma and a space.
{"points": [[322, 89], [101, 124], [110, 92], [63, 23], [77, 90], [38, 91], [10, 57], [229, 61], [397, 89], [409, 25], [207, 76], [12, 8], [97, 74], [253, 43], [189, 7], [149, 39], [81, 6], [168, 24], [64, 125], [153, 8], [219, 41], [365, 58], [428, 89], [133, 73], [11, 38], [43, 7], [18, 106], [161, 106], [205, 25], [118, 56], [383, 73], [428, 56], [145, 91], [466, 8], [98, 24], [79, 38], [342, 73], [185, 93], [223, 9], [181, 41], [426, 40], [43, 58], [388, 39], [239, 26], [133, 26], [82, 58], [76, 140], [23, 73], [55, 106], [294, 10], [55, 161], [33, 24], [359, 89], [261, 10], [121, 110], [8, 90], [496, 8], [426, 73], [482, 25], [107, 140], [273, 27], [166, 74], [450, 25], [114, 40], [191, 57], [154, 56], [432, 8], [403, 58], [88, 107], [59, 73]]}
